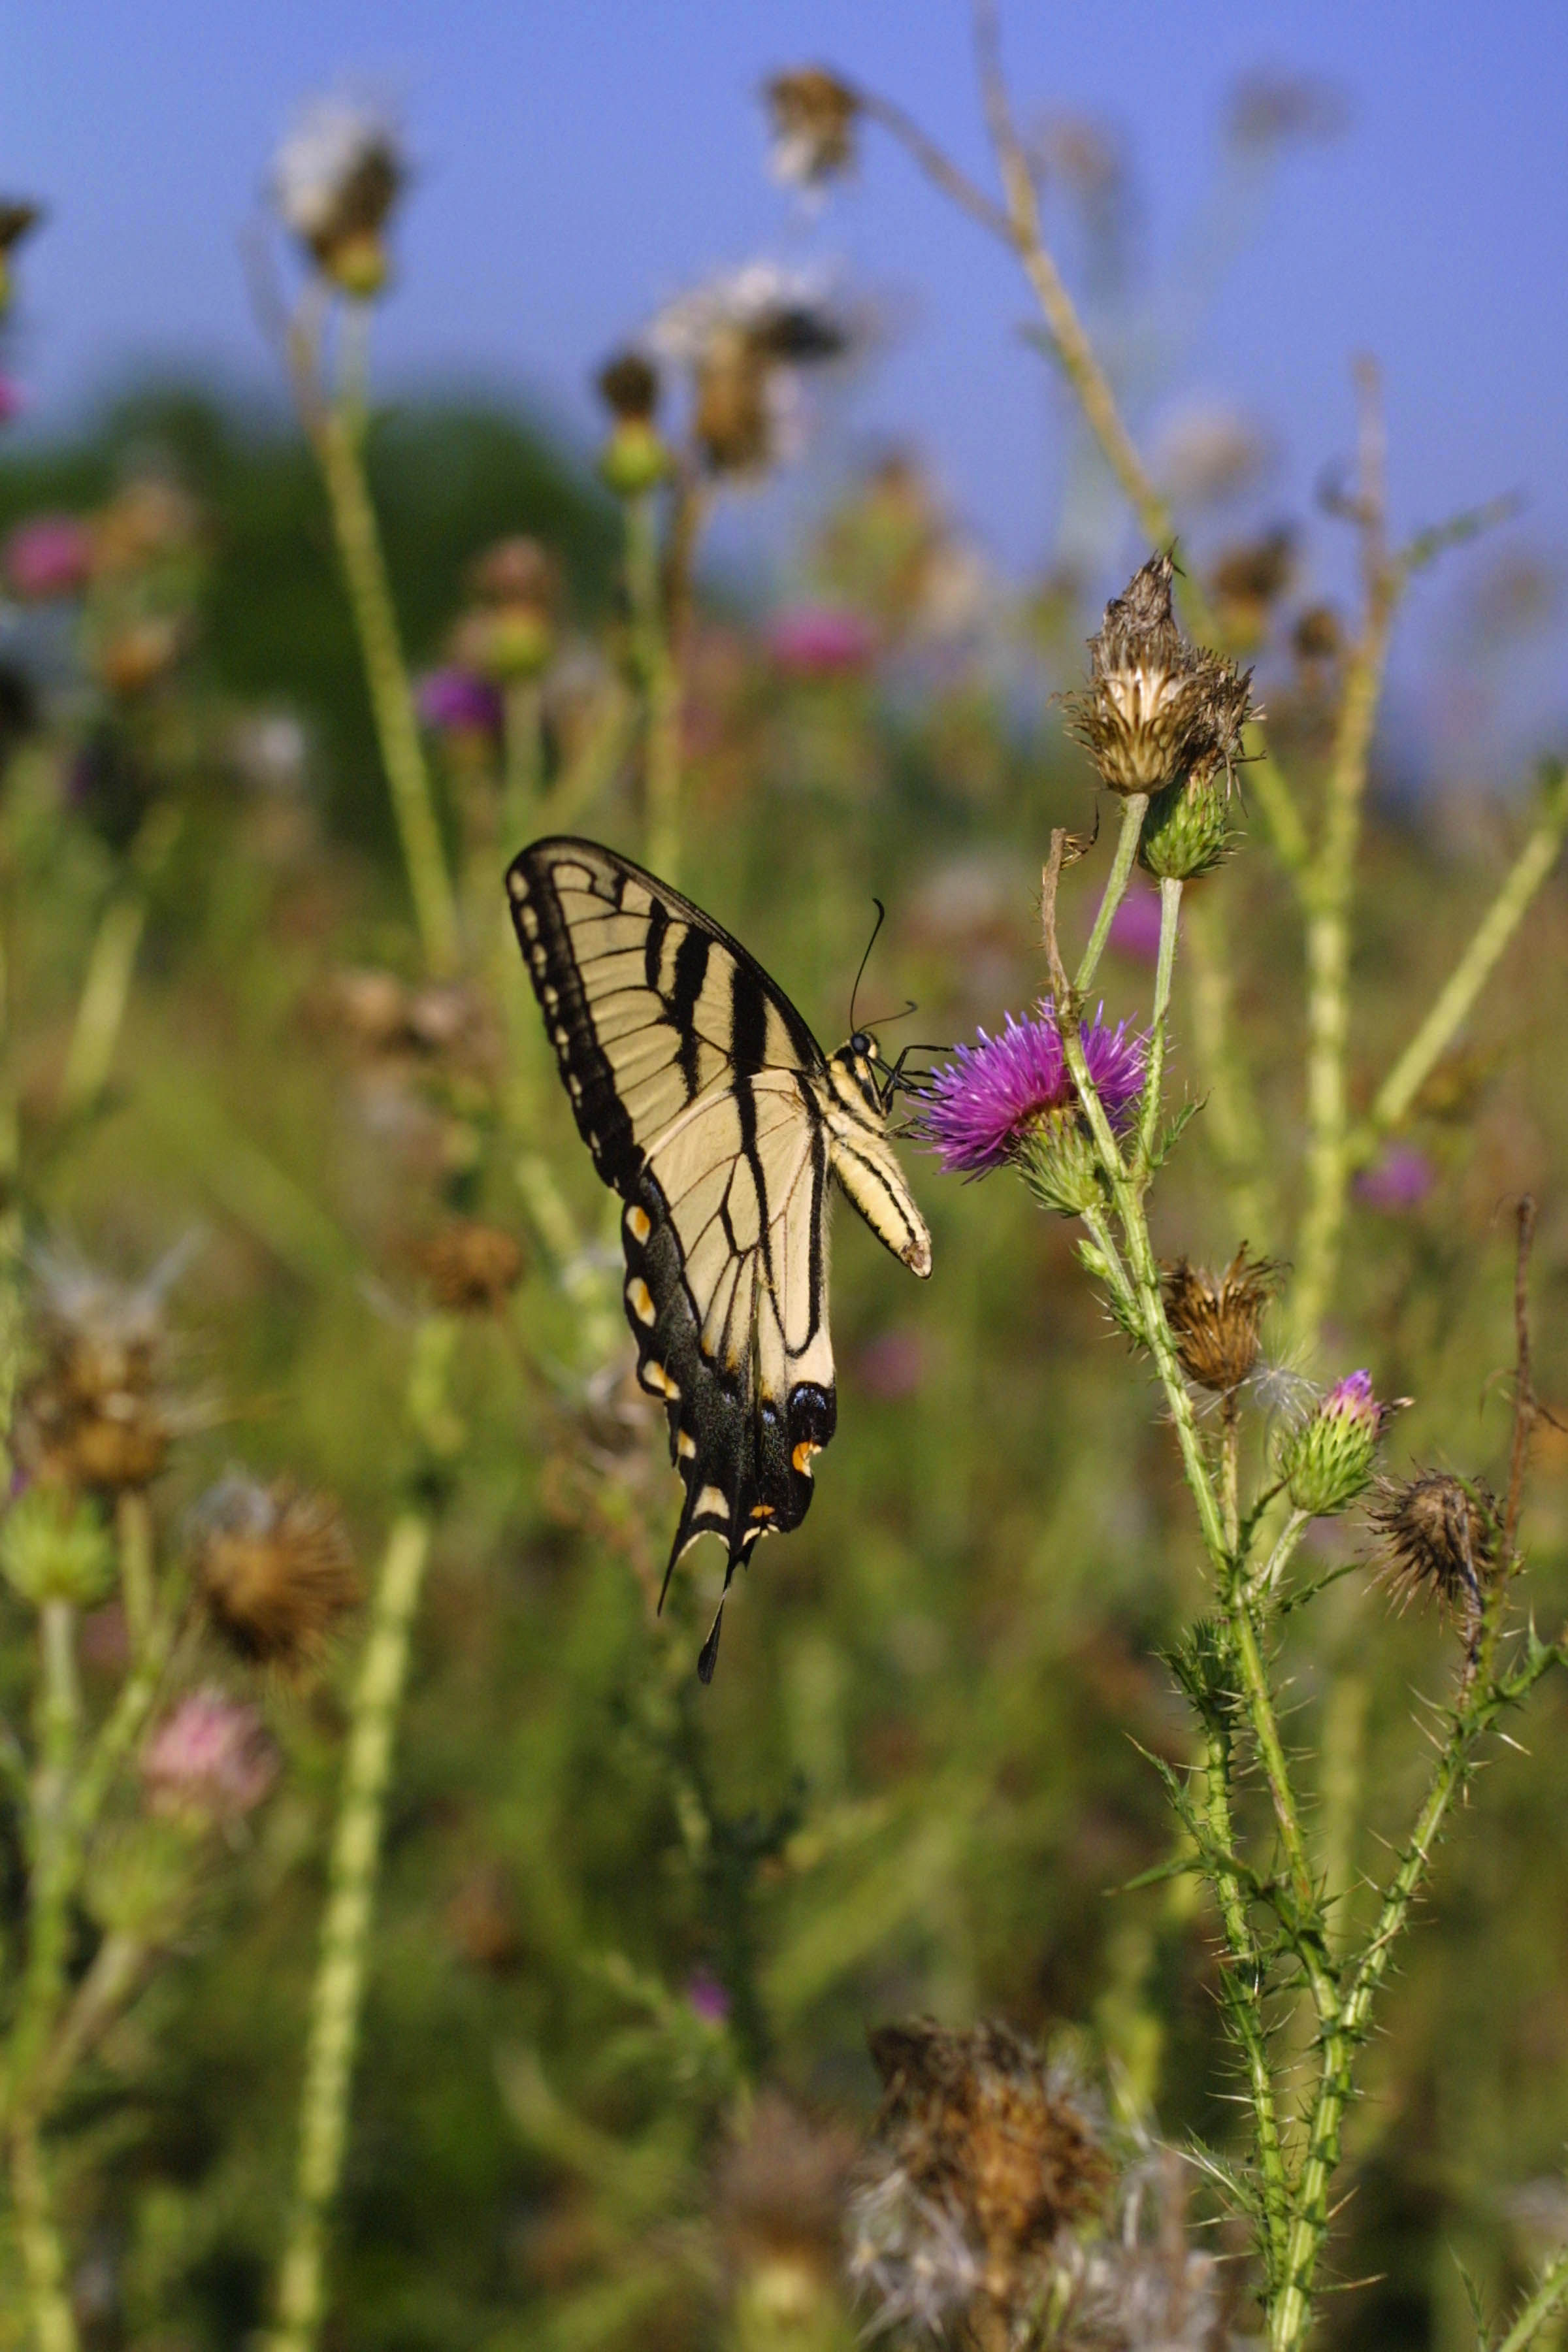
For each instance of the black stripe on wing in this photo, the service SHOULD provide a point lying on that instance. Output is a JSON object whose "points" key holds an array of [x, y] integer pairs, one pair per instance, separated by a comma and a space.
{"points": [[743, 1459], [558, 965]]}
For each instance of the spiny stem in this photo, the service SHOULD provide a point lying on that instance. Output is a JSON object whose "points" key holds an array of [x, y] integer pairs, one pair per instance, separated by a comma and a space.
{"points": [[1242, 1984], [43, 2255], [1149, 1116], [338, 1992], [1548, 2299], [1134, 808], [655, 623]]}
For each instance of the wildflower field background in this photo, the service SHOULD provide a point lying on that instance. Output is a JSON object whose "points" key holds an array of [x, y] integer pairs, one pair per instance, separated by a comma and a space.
{"points": [[303, 1262]]}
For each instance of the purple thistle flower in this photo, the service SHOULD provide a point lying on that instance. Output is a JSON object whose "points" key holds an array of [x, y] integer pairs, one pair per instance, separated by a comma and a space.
{"points": [[708, 1999], [209, 1762], [1400, 1180], [979, 1109], [818, 641], [1353, 1398], [48, 556], [459, 702]]}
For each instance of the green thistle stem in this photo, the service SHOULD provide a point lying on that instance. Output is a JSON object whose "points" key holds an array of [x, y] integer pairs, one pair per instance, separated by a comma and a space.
{"points": [[1230, 1111], [524, 787], [339, 448], [38, 2232], [1548, 2299], [654, 625], [1148, 1114], [338, 1998], [1134, 808]]}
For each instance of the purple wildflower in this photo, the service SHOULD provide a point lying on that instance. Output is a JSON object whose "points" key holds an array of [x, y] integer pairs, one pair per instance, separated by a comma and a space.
{"points": [[48, 556], [708, 1999], [1400, 1180], [1135, 927], [1353, 1399], [209, 1762], [460, 702], [819, 641], [980, 1107]]}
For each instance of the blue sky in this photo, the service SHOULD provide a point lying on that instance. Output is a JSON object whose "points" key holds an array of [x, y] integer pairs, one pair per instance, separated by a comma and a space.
{"points": [[578, 163]]}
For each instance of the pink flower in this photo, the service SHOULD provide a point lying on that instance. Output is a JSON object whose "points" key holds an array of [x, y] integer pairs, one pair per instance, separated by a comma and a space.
{"points": [[459, 702], [48, 556], [707, 1996], [1400, 1180], [979, 1109], [210, 1762], [821, 641], [1135, 927]]}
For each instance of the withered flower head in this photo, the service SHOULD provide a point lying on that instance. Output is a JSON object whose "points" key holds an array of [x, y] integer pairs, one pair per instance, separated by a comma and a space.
{"points": [[744, 339], [1158, 707], [471, 1268], [1439, 1538], [1317, 636], [335, 180], [778, 2204], [517, 570], [275, 1569], [1248, 581], [97, 1415], [982, 2156], [1215, 1318], [1146, 2288], [813, 116]]}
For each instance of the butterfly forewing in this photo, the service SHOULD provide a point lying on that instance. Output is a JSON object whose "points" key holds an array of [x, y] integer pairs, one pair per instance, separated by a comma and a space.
{"points": [[708, 1106]]}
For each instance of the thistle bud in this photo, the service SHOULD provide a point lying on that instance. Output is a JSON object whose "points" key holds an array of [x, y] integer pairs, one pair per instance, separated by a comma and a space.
{"points": [[1327, 1460], [54, 1546], [1216, 1319], [1187, 830], [1157, 707], [1439, 1538], [1058, 1165]]}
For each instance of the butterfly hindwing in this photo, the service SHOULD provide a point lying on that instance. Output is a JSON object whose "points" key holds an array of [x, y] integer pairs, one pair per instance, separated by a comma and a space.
{"points": [[708, 1106]]}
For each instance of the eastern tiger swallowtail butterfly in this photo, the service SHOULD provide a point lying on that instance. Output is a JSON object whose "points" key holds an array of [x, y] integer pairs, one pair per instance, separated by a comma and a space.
{"points": [[711, 1109]]}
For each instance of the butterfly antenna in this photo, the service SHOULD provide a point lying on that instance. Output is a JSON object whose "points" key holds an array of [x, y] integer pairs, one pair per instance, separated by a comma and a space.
{"points": [[881, 919]]}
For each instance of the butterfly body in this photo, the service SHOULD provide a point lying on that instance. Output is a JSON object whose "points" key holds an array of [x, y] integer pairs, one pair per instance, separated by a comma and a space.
{"points": [[710, 1108]]}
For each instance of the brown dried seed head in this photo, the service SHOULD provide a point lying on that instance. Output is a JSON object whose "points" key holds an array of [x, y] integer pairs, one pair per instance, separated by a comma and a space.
{"points": [[732, 418], [1216, 1319], [471, 1268], [275, 1569], [1439, 1536], [517, 570], [984, 2129], [96, 1415], [1157, 707], [814, 116]]}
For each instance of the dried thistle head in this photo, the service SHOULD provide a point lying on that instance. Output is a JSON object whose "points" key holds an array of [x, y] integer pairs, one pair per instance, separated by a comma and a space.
{"points": [[628, 386], [982, 2155], [336, 178], [275, 1570], [471, 1268], [1216, 1320], [1147, 2288], [813, 115], [779, 2189], [1157, 707], [97, 1415], [1438, 1537], [746, 338]]}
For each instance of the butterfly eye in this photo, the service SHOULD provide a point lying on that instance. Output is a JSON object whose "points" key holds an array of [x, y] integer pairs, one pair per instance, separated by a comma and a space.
{"points": [[863, 1044]]}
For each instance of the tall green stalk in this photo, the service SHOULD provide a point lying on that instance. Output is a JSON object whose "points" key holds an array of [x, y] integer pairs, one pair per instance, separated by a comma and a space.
{"points": [[338, 437], [338, 1997]]}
